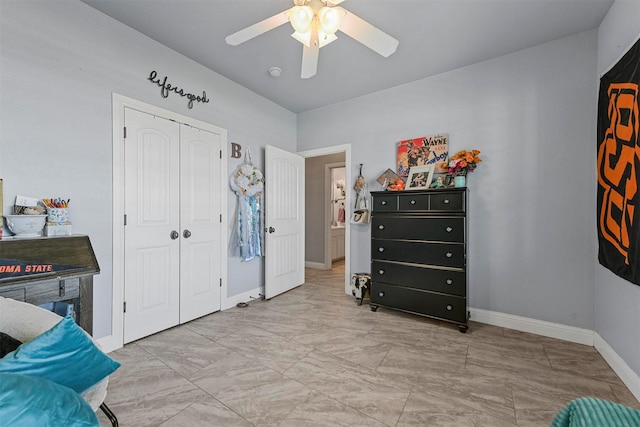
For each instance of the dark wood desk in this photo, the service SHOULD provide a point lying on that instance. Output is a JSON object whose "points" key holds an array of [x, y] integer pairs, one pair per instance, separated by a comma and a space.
{"points": [[49, 269]]}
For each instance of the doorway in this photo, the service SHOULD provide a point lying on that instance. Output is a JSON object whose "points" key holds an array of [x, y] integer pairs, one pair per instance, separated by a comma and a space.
{"points": [[335, 187], [318, 207]]}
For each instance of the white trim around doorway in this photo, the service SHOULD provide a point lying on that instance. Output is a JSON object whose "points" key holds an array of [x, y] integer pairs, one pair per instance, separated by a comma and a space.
{"points": [[346, 149]]}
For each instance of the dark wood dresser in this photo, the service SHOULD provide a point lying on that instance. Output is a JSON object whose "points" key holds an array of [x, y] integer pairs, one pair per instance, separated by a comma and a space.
{"points": [[418, 253], [50, 269]]}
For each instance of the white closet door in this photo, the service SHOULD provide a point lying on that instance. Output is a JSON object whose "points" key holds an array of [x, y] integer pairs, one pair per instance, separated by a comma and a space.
{"points": [[152, 209], [284, 221], [200, 213]]}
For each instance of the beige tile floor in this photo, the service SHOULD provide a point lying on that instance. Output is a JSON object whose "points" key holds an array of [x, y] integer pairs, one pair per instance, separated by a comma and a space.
{"points": [[313, 357]]}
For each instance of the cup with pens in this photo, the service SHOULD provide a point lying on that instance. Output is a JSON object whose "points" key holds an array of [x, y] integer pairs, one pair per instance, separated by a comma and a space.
{"points": [[57, 211]]}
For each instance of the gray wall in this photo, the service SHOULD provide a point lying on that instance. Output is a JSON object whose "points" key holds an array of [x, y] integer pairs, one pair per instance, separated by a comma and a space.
{"points": [[617, 302], [315, 205], [532, 216], [59, 64]]}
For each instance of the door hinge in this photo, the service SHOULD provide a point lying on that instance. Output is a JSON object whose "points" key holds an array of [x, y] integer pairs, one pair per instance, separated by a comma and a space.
{"points": [[125, 219], [125, 132], [220, 153], [221, 282], [221, 218], [124, 307]]}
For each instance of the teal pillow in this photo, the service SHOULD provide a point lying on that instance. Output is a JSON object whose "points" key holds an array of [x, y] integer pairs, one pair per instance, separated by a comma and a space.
{"points": [[64, 354], [35, 402]]}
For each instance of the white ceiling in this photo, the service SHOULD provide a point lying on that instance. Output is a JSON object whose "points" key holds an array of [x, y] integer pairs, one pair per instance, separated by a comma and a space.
{"points": [[435, 36]]}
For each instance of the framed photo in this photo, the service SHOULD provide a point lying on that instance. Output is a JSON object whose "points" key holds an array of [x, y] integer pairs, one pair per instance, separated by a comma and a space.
{"points": [[389, 175], [420, 177], [438, 180], [426, 150]]}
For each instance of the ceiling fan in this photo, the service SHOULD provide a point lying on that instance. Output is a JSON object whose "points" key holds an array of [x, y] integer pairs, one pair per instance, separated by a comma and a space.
{"points": [[315, 23]]}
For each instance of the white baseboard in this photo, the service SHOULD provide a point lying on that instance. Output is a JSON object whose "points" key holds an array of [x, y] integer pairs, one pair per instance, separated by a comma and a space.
{"points": [[316, 265], [230, 302], [566, 333], [108, 343], [619, 366], [534, 326]]}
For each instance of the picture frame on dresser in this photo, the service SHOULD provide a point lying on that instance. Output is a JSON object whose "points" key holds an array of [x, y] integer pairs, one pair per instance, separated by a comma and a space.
{"points": [[420, 177]]}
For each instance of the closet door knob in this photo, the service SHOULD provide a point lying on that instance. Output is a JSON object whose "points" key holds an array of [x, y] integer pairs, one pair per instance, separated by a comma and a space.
{"points": [[174, 235], [270, 230], [186, 234]]}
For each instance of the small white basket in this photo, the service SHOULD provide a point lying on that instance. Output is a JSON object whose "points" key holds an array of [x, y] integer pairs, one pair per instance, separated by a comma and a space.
{"points": [[58, 215]]}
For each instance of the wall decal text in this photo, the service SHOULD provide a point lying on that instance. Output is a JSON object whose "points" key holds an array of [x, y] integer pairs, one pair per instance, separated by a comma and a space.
{"points": [[166, 88]]}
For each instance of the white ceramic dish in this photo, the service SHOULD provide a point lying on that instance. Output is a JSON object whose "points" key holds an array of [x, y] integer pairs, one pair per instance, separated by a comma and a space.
{"points": [[26, 225]]}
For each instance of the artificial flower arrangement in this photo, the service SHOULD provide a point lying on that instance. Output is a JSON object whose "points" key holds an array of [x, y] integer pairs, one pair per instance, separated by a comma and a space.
{"points": [[462, 162]]}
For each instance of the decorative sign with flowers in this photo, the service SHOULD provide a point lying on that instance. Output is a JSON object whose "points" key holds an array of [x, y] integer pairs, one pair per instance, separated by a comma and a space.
{"points": [[462, 162]]}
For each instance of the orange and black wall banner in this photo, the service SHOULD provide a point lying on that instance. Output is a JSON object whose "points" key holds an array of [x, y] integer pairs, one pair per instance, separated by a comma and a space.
{"points": [[618, 206]]}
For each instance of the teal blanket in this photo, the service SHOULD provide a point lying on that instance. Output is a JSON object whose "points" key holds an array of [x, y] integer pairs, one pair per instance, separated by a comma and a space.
{"points": [[590, 412]]}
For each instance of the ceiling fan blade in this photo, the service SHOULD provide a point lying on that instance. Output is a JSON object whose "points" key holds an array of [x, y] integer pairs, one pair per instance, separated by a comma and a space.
{"points": [[310, 57], [370, 36], [256, 29]]}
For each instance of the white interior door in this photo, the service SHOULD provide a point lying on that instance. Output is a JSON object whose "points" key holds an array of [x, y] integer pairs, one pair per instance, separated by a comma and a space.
{"points": [[152, 209], [284, 221], [201, 225]]}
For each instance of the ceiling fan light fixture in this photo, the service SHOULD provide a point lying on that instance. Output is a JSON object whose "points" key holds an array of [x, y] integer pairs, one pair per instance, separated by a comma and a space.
{"points": [[323, 39], [330, 19], [301, 18], [304, 38]]}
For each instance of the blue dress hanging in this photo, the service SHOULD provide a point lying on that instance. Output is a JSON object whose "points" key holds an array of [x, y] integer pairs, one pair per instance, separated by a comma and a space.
{"points": [[248, 183]]}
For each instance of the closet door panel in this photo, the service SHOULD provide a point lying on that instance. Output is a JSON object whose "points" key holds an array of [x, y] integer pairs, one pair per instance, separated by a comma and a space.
{"points": [[152, 195], [200, 223]]}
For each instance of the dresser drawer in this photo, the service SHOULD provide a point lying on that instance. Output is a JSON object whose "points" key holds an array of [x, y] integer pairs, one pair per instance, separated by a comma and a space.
{"points": [[429, 279], [442, 228], [386, 202], [417, 301], [413, 202], [19, 294], [447, 202], [442, 254]]}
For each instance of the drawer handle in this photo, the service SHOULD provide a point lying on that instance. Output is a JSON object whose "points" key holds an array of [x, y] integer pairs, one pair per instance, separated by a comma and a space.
{"points": [[449, 229], [449, 281], [381, 294], [446, 201], [380, 249], [449, 307], [413, 202], [381, 271], [449, 254], [381, 227], [384, 202]]}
